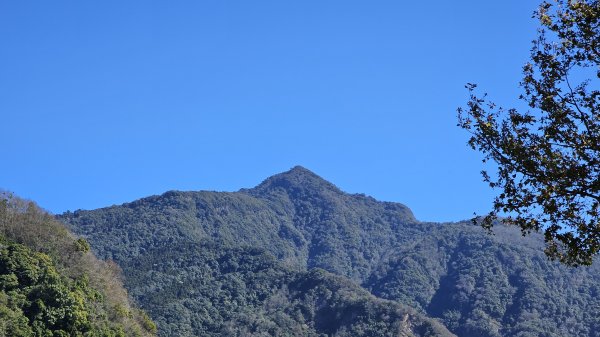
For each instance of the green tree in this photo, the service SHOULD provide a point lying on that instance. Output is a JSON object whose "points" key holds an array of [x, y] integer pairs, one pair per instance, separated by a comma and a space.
{"points": [[548, 157]]}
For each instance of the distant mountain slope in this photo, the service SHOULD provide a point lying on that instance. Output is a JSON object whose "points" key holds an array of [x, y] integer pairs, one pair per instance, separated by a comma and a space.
{"points": [[478, 285], [481, 285], [51, 285]]}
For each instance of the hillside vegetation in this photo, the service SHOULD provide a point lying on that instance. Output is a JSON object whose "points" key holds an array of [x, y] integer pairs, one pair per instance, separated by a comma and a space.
{"points": [[52, 285], [216, 290], [177, 251]]}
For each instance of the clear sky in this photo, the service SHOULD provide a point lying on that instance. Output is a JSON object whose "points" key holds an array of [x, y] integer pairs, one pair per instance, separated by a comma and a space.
{"points": [[104, 102]]}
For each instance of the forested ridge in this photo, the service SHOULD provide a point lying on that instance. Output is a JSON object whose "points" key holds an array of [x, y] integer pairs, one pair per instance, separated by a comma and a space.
{"points": [[297, 256], [52, 285]]}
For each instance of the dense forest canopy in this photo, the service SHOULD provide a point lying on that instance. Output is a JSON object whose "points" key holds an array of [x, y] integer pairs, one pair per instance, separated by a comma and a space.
{"points": [[52, 285], [197, 253]]}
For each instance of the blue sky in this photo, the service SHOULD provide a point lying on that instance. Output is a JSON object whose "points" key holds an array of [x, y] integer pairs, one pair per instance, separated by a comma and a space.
{"points": [[106, 102]]}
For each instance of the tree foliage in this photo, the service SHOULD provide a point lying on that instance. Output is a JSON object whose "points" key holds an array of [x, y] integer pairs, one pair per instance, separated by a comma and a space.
{"points": [[52, 285], [548, 156]]}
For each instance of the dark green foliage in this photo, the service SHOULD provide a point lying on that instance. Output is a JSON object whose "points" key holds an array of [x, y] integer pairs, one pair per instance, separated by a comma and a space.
{"points": [[13, 321], [40, 302], [51, 285], [215, 290], [547, 156], [216, 262], [81, 245]]}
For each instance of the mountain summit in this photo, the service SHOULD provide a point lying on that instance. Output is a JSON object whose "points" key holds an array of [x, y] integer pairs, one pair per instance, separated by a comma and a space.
{"points": [[300, 186], [295, 180]]}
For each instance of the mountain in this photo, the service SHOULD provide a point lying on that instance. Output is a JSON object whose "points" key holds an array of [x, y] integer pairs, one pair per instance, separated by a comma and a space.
{"points": [[214, 262], [52, 285]]}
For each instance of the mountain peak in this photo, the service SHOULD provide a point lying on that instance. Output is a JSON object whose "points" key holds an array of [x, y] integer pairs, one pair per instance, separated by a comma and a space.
{"points": [[297, 178], [301, 172], [299, 169]]}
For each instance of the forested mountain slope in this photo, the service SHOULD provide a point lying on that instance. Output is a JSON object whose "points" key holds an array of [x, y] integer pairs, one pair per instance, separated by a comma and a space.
{"points": [[476, 284], [51, 285], [481, 285], [296, 216], [211, 289]]}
